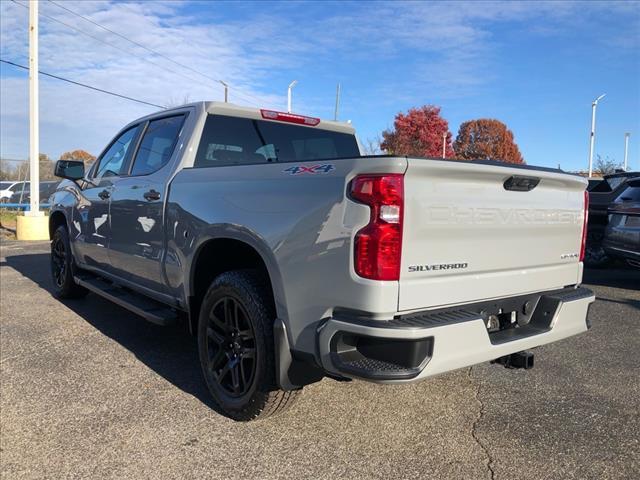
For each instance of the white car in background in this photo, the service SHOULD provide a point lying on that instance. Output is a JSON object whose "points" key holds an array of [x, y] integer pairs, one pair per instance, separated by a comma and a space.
{"points": [[9, 188]]}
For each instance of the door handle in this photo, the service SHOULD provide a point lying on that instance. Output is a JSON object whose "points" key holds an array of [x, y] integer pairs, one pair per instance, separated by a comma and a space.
{"points": [[104, 194], [151, 195]]}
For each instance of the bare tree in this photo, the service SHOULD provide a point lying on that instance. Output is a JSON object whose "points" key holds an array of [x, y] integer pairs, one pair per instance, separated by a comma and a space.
{"points": [[18, 170], [607, 165], [176, 102], [371, 146]]}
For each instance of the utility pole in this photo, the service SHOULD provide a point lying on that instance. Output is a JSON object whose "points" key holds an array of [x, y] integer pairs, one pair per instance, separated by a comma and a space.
{"points": [[626, 150], [33, 225], [226, 91], [291, 85], [594, 105], [335, 114], [444, 144], [34, 134]]}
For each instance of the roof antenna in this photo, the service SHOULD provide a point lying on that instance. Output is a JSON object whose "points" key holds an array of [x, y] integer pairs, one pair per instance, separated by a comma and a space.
{"points": [[335, 115]]}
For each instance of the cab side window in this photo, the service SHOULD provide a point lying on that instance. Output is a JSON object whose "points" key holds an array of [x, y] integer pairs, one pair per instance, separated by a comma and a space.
{"points": [[157, 145], [112, 163]]}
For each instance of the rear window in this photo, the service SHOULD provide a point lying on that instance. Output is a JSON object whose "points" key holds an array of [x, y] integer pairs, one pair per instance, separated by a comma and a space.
{"points": [[631, 194], [243, 141], [608, 184]]}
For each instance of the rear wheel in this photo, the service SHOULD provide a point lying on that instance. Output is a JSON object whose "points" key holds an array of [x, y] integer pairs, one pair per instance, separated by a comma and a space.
{"points": [[62, 267], [594, 255], [235, 342]]}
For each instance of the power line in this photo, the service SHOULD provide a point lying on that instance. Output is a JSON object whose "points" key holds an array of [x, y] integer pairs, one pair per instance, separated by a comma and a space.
{"points": [[110, 44], [155, 52], [129, 40], [127, 6], [237, 92], [84, 85]]}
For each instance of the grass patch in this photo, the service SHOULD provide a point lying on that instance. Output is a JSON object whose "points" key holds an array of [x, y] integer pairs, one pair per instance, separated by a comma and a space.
{"points": [[8, 221], [8, 218]]}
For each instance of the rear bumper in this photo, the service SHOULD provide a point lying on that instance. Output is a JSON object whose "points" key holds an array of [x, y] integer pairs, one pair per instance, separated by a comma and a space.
{"points": [[413, 347]]}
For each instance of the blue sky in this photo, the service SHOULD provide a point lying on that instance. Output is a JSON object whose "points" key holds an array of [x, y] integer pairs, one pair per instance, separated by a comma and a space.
{"points": [[534, 65]]}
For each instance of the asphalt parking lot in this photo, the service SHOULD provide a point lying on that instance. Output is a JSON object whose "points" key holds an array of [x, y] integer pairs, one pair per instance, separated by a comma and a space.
{"points": [[89, 390]]}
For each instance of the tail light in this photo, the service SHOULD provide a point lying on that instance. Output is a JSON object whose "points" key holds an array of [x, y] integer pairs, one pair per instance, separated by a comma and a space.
{"points": [[585, 219], [378, 246]]}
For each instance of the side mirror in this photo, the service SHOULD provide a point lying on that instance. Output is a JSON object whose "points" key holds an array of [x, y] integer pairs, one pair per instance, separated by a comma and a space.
{"points": [[70, 169]]}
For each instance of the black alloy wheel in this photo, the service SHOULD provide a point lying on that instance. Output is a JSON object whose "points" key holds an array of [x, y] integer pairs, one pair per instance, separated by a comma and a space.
{"points": [[237, 349], [231, 347], [62, 266], [58, 261]]}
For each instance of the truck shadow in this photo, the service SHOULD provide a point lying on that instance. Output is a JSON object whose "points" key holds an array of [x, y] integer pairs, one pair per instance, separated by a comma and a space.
{"points": [[171, 352]]}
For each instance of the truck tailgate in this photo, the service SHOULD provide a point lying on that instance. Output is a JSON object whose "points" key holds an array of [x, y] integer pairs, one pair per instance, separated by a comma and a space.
{"points": [[467, 237]]}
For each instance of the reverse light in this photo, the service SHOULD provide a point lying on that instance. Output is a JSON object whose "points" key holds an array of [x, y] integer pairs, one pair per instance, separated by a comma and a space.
{"points": [[585, 220], [378, 246], [289, 117]]}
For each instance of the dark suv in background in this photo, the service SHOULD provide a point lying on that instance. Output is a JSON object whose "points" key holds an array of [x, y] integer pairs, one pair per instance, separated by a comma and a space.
{"points": [[622, 234], [601, 195]]}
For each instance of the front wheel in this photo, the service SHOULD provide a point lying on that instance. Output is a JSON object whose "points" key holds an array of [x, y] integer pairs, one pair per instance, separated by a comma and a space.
{"points": [[64, 285], [235, 343]]}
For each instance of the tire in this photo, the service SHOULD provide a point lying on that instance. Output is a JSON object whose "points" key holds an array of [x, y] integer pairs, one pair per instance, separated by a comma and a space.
{"points": [[236, 348], [62, 267], [594, 255]]}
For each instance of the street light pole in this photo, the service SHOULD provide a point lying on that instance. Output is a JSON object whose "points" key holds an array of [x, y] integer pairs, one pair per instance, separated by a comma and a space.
{"points": [[626, 150], [34, 134], [594, 104], [291, 85], [34, 224], [226, 91], [444, 144], [335, 113]]}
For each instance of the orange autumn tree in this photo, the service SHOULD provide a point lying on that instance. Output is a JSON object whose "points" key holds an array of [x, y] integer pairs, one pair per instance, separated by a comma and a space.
{"points": [[81, 155], [486, 139]]}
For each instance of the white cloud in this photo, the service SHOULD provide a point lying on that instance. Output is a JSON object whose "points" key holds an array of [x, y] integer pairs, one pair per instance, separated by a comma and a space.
{"points": [[451, 42], [94, 117]]}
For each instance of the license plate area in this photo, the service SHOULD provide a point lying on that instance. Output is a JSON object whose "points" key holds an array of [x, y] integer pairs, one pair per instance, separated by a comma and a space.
{"points": [[513, 324]]}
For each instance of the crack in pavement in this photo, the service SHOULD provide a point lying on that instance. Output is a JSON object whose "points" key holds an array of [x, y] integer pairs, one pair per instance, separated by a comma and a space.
{"points": [[474, 429]]}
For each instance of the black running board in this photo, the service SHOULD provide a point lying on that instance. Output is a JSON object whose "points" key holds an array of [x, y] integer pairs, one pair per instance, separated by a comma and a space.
{"points": [[147, 308]]}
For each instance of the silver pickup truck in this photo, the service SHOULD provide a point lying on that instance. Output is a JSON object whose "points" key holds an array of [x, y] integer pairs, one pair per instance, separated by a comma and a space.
{"points": [[293, 257]]}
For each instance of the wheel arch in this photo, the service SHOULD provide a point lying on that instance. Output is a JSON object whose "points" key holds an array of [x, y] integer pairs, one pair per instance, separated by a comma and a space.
{"points": [[226, 250], [56, 219]]}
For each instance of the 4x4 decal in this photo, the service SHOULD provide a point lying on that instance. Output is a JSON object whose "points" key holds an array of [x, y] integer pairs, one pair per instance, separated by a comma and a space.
{"points": [[301, 169]]}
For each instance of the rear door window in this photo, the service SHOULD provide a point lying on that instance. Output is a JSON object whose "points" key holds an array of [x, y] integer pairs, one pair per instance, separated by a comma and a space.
{"points": [[244, 141], [157, 145]]}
